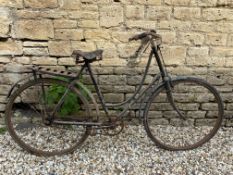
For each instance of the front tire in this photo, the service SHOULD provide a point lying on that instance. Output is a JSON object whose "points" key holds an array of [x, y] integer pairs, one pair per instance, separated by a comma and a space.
{"points": [[198, 101]]}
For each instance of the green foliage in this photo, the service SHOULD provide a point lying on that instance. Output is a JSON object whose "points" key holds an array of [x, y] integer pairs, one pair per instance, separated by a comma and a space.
{"points": [[71, 104], [120, 109], [2, 130]]}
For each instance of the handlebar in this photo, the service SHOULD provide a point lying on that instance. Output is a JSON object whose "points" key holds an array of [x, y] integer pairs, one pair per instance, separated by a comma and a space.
{"points": [[141, 36]]}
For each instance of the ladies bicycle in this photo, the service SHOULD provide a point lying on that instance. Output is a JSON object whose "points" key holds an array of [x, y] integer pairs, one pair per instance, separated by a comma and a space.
{"points": [[53, 113]]}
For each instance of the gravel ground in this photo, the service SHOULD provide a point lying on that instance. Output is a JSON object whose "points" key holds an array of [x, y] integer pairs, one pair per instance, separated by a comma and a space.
{"points": [[131, 152]]}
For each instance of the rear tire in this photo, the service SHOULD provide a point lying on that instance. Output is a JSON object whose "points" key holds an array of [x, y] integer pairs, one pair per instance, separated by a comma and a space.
{"points": [[201, 105], [30, 105]]}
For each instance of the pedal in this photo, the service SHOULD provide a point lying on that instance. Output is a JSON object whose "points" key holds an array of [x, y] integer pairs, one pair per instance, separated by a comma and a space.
{"points": [[116, 128], [93, 132], [113, 120]]}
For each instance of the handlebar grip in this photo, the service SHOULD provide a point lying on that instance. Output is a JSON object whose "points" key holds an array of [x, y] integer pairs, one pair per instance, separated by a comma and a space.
{"points": [[137, 37], [141, 36]]}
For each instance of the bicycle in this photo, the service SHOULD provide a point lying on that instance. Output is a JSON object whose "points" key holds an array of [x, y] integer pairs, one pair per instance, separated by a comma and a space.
{"points": [[50, 116]]}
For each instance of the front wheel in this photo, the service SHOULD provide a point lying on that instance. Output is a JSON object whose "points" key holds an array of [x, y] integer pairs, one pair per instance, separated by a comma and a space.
{"points": [[201, 110]]}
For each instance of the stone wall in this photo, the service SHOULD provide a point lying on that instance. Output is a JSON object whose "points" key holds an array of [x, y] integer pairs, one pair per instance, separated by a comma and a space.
{"points": [[197, 40]]}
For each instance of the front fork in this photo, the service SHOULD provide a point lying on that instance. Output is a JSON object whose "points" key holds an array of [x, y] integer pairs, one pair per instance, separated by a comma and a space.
{"points": [[169, 86]]}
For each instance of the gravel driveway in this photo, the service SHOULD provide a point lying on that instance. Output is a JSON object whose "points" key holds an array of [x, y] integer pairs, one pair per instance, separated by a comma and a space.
{"points": [[131, 152]]}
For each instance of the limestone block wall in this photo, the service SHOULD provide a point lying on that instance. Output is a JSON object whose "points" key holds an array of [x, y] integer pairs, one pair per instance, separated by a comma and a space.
{"points": [[197, 40]]}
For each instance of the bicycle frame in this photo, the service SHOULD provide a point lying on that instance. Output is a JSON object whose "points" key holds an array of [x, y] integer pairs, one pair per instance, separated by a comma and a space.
{"points": [[138, 94]]}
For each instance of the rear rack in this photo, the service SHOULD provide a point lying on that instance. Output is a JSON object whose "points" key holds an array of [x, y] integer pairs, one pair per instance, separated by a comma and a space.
{"points": [[55, 72]]}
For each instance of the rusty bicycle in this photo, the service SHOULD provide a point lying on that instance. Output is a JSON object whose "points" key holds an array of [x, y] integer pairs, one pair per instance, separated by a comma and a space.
{"points": [[49, 115]]}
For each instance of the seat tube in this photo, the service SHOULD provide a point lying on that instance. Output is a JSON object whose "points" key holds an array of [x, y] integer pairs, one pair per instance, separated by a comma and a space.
{"points": [[100, 95]]}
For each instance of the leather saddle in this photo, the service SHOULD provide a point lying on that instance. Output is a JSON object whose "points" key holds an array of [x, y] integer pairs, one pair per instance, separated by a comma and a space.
{"points": [[88, 56]]}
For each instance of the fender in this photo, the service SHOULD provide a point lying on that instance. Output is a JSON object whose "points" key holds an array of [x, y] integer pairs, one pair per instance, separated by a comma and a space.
{"points": [[17, 85], [90, 95], [78, 83]]}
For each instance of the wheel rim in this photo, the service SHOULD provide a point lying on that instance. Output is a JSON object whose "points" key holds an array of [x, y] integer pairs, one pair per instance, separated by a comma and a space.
{"points": [[27, 110], [202, 109]]}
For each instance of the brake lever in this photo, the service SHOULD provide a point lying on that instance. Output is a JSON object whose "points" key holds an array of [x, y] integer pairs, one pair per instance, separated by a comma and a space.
{"points": [[131, 39]]}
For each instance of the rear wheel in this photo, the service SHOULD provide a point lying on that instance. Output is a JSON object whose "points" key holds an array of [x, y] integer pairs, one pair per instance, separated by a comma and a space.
{"points": [[30, 113], [202, 110]]}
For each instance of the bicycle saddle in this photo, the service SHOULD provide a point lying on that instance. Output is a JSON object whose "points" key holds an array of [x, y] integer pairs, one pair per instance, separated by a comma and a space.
{"points": [[88, 56]]}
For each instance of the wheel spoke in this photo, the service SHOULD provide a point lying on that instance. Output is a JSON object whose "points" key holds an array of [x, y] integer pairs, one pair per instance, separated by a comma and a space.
{"points": [[28, 108], [202, 108]]}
